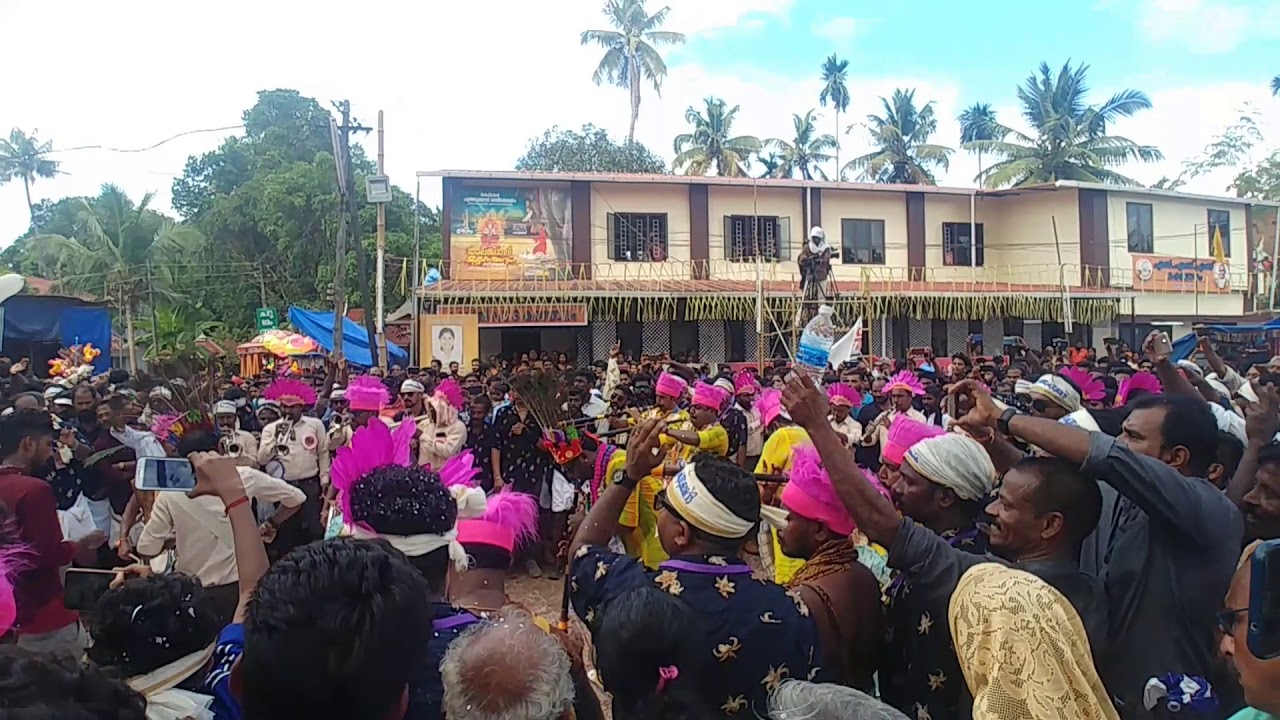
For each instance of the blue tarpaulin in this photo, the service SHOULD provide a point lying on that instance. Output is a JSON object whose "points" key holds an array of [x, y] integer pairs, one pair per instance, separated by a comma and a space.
{"points": [[355, 339], [1185, 346], [55, 319]]}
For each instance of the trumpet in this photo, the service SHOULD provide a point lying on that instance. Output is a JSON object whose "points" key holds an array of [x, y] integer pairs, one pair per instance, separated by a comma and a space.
{"points": [[284, 431], [227, 443]]}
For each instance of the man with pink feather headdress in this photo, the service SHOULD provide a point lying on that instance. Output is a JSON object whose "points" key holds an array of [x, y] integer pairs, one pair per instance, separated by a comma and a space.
{"points": [[366, 397], [843, 399], [901, 389], [745, 390], [706, 434], [297, 448], [441, 434]]}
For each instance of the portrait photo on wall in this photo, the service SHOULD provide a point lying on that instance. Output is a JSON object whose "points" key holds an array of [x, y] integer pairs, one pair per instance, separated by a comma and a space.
{"points": [[448, 339], [446, 344]]}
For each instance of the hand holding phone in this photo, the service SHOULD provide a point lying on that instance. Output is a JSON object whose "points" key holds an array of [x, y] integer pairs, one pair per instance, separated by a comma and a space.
{"points": [[83, 587], [1157, 346], [165, 475]]}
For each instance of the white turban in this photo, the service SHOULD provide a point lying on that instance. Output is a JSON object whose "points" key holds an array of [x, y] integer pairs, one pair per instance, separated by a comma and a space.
{"points": [[409, 386], [224, 407], [1057, 390], [954, 461]]}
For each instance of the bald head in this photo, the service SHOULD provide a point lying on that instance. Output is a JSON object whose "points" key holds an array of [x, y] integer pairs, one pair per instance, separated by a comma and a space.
{"points": [[507, 670]]}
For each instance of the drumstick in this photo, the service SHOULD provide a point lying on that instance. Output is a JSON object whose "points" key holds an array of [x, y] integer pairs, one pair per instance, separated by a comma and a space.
{"points": [[563, 623]]}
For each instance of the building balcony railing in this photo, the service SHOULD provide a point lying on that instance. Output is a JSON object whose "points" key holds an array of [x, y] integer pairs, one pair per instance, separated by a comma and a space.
{"points": [[746, 278]]}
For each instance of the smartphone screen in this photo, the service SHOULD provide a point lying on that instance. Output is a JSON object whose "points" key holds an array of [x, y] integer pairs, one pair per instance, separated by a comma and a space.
{"points": [[166, 474], [82, 588]]}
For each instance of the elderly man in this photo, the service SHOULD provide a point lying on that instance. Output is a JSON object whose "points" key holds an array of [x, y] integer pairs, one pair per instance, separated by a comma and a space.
{"points": [[235, 442], [508, 669]]}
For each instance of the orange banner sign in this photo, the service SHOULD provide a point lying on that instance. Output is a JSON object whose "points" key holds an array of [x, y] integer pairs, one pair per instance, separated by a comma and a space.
{"points": [[1162, 273], [523, 315]]}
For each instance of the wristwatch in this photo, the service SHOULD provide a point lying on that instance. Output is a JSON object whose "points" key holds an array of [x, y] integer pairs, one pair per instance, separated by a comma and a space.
{"points": [[1003, 423]]}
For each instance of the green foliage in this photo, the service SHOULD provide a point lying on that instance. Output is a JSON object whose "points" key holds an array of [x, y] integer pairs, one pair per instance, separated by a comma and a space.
{"points": [[835, 90], [23, 157], [591, 150], [1069, 138], [805, 153], [259, 218], [903, 154], [631, 57], [711, 143]]}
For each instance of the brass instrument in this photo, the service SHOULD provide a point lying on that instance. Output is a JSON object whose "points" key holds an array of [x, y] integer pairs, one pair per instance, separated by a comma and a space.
{"points": [[284, 431], [227, 444]]}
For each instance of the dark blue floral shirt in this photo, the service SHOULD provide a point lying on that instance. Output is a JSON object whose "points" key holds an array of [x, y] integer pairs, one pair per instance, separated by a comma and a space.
{"points": [[758, 633]]}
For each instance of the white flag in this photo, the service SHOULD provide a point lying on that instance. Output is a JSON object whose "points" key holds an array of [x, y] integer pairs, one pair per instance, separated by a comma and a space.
{"points": [[847, 347]]}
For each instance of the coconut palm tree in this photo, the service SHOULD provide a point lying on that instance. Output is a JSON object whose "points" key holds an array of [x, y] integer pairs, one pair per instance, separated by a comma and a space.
{"points": [[835, 89], [903, 152], [711, 143], [630, 53], [1068, 138], [806, 153], [114, 255], [1275, 85], [978, 122], [769, 164], [23, 157]]}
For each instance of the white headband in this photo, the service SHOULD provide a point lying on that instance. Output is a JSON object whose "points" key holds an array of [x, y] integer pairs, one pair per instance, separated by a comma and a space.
{"points": [[691, 500]]}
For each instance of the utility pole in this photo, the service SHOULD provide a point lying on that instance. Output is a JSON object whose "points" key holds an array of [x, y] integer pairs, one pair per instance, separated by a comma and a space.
{"points": [[346, 185], [151, 301], [381, 267], [340, 262]]}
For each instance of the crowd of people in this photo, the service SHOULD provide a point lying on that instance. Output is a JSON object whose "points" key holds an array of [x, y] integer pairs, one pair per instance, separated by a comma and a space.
{"points": [[1031, 535]]}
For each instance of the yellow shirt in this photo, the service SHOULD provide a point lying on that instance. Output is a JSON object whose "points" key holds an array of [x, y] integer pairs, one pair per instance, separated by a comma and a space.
{"points": [[712, 439], [639, 520]]}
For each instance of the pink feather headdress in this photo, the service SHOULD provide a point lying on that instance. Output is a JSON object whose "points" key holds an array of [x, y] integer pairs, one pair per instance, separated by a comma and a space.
{"points": [[452, 393], [904, 380], [372, 446], [745, 382], [509, 519], [842, 394], [367, 394], [1091, 388], [12, 561], [770, 405], [1143, 382], [709, 396], [288, 391], [809, 492]]}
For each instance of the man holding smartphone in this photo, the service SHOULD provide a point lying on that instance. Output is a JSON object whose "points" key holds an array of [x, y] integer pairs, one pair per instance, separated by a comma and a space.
{"points": [[43, 624]]}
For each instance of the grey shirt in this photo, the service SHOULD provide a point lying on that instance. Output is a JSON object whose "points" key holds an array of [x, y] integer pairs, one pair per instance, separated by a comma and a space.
{"points": [[934, 567], [1165, 548]]}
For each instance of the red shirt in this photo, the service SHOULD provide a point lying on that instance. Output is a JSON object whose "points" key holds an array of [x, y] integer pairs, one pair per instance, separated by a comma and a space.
{"points": [[37, 589]]}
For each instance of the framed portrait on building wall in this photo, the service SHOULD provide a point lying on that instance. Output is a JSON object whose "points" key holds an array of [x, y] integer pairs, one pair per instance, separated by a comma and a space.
{"points": [[448, 339]]}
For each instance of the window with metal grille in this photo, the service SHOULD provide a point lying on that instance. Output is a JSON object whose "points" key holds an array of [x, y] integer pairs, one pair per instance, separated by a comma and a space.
{"points": [[637, 237], [747, 237], [862, 242], [1220, 221], [958, 248]]}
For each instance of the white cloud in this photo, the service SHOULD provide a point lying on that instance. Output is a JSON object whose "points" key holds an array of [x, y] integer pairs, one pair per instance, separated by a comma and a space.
{"points": [[1208, 26], [509, 78], [838, 29]]}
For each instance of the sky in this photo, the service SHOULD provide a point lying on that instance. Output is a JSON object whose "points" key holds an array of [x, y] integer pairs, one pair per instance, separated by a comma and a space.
{"points": [[130, 75]]}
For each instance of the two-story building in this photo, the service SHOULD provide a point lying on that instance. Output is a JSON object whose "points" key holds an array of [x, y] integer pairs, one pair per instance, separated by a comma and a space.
{"points": [[573, 262]]}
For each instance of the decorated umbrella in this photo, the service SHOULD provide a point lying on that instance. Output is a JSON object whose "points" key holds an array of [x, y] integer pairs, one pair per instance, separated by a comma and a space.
{"points": [[261, 352]]}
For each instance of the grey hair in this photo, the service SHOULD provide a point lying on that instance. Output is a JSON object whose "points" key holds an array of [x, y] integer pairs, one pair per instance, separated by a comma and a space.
{"points": [[543, 664], [800, 700]]}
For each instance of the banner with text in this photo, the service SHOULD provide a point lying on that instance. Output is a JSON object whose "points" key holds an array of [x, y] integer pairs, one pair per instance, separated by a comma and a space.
{"points": [[509, 233], [557, 314], [1162, 273]]}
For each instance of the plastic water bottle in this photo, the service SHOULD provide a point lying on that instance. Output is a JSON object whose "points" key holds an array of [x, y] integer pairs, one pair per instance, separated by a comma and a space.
{"points": [[815, 344]]}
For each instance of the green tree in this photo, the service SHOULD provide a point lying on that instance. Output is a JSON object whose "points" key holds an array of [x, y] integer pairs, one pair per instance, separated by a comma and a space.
{"points": [[804, 154], [977, 123], [1275, 85], [1069, 139], [835, 89], [631, 56], [23, 157], [711, 143], [267, 202], [903, 154], [115, 253], [591, 150]]}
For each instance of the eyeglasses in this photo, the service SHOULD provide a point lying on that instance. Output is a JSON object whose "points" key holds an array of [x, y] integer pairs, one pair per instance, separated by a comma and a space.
{"points": [[660, 503], [1040, 406], [1229, 619]]}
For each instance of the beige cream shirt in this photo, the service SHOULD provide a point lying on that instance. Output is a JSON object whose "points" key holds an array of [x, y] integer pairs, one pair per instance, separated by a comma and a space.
{"points": [[308, 445], [205, 545], [437, 444]]}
